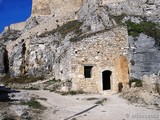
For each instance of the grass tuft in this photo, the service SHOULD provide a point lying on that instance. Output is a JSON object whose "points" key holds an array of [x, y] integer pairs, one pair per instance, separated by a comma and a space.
{"points": [[118, 18], [137, 81], [53, 81], [34, 104]]}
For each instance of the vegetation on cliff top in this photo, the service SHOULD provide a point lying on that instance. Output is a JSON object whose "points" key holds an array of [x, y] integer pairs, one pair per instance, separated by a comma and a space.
{"points": [[149, 28], [71, 26], [134, 29]]}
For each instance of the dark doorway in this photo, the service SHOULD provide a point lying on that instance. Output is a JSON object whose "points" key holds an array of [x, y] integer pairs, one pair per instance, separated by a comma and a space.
{"points": [[106, 79]]}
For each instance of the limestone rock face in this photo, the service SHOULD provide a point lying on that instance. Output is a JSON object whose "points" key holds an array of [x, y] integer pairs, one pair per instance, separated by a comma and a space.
{"points": [[94, 17], [4, 65], [5, 38], [144, 56], [32, 57], [144, 8]]}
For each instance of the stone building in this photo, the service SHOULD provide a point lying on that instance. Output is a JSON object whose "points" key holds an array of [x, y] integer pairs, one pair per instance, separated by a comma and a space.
{"points": [[96, 63]]}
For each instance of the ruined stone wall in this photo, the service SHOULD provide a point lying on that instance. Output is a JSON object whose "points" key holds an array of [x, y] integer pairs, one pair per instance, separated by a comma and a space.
{"points": [[60, 9], [41, 7], [104, 51]]}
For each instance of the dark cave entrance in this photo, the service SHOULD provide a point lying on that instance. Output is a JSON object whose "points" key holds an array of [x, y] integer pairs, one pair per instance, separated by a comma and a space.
{"points": [[106, 79], [6, 62], [23, 49], [23, 65]]}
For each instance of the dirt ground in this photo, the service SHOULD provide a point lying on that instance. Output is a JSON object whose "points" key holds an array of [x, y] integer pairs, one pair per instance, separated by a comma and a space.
{"points": [[84, 107]]}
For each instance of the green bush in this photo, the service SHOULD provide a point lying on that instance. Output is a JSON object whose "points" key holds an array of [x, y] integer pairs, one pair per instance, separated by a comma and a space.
{"points": [[149, 28], [71, 26], [137, 81], [134, 29], [34, 104]]}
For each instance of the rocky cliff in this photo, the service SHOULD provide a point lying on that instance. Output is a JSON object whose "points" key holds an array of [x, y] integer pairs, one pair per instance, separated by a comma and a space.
{"points": [[35, 48]]}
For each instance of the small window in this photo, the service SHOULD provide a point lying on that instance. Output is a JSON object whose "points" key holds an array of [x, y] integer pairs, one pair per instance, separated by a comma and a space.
{"points": [[88, 71]]}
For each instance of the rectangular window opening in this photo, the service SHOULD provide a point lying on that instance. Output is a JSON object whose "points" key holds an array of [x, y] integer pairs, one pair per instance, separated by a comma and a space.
{"points": [[88, 71]]}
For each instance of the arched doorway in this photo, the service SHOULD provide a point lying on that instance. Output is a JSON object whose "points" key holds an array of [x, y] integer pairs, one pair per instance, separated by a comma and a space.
{"points": [[106, 80]]}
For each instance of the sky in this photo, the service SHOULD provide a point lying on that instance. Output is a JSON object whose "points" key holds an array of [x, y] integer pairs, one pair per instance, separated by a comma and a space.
{"points": [[14, 11]]}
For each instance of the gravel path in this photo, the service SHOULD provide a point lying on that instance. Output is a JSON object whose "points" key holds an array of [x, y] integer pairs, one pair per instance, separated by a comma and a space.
{"points": [[77, 107]]}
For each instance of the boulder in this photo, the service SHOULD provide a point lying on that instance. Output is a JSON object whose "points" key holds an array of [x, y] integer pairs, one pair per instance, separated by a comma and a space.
{"points": [[151, 83]]}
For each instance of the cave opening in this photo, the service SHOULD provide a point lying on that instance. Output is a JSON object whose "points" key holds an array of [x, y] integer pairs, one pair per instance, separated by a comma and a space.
{"points": [[6, 62]]}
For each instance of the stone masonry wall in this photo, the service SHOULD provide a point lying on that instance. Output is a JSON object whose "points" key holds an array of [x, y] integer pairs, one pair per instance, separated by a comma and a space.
{"points": [[64, 9], [104, 51]]}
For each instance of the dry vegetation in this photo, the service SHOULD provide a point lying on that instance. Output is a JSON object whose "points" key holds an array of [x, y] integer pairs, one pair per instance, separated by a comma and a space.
{"points": [[20, 80]]}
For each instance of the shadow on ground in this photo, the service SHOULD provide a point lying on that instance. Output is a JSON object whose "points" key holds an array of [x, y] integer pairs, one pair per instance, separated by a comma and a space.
{"points": [[4, 91], [82, 112]]}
